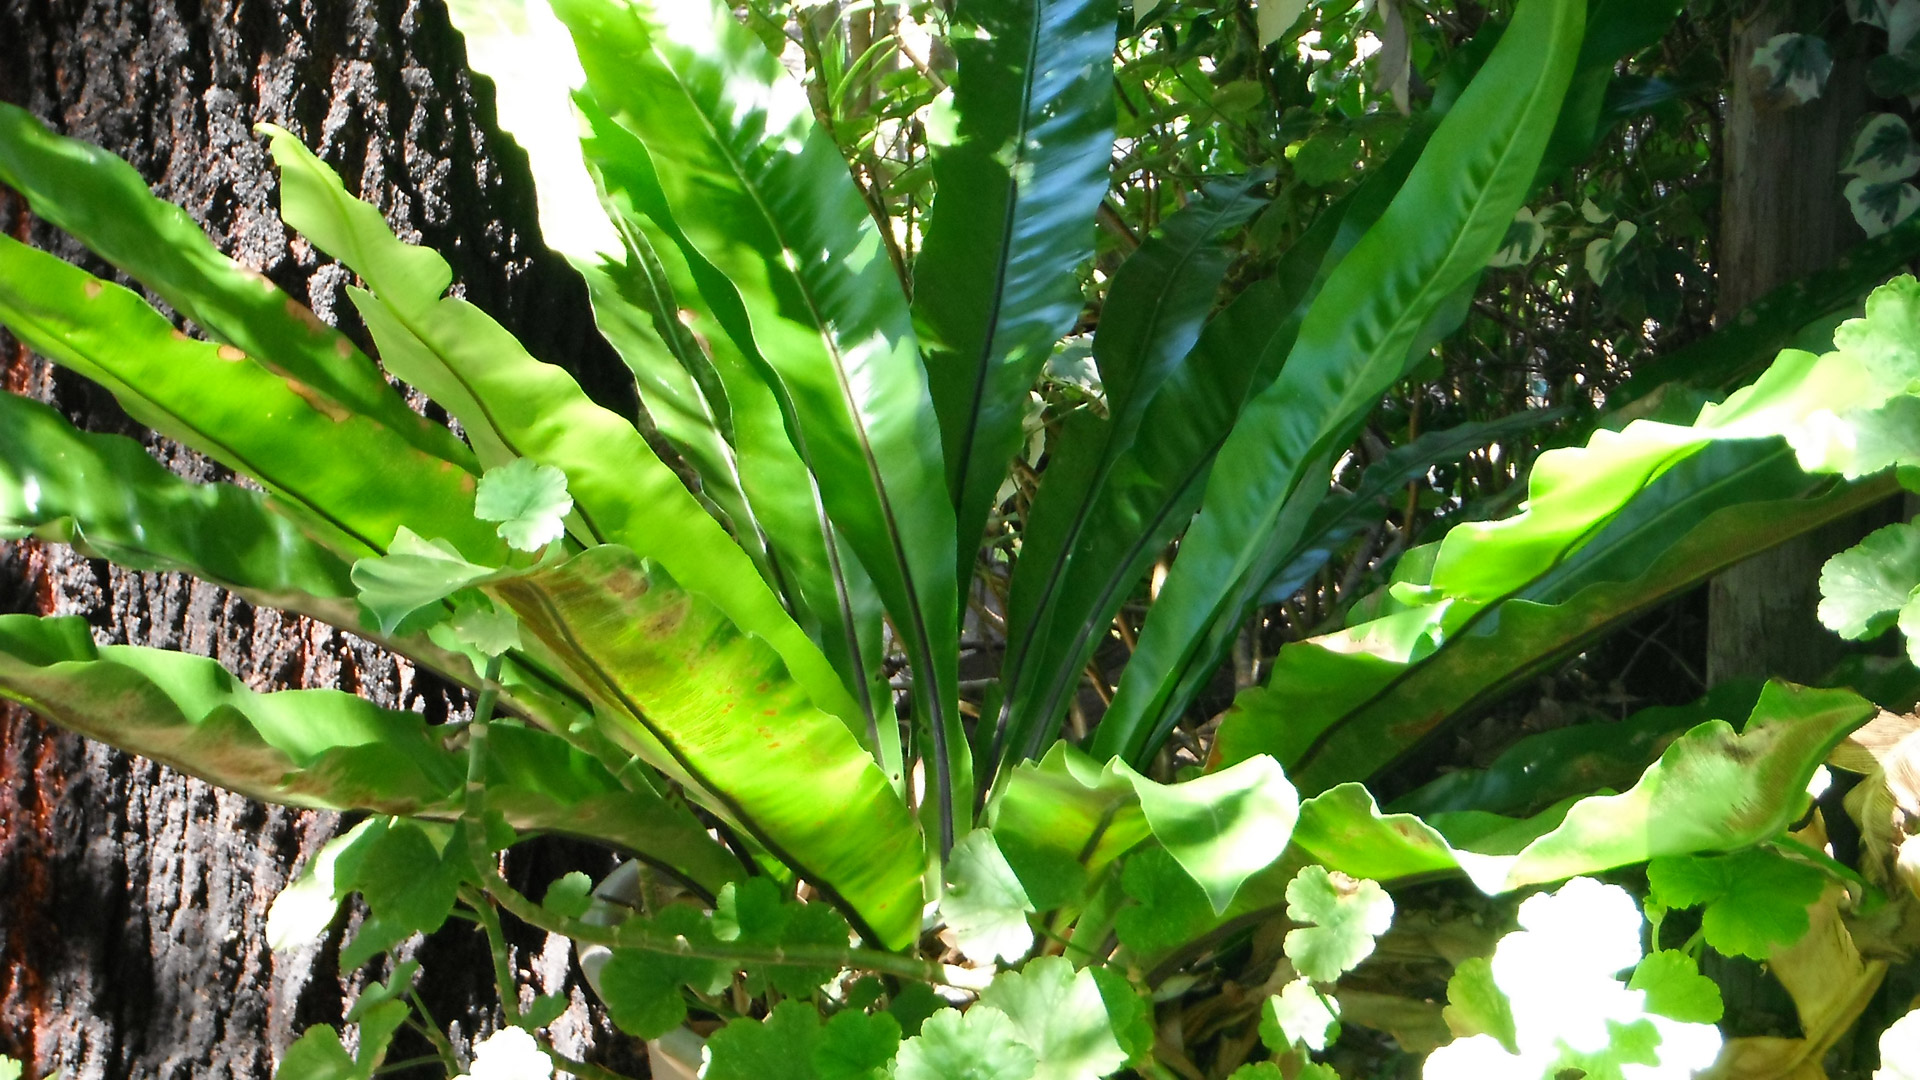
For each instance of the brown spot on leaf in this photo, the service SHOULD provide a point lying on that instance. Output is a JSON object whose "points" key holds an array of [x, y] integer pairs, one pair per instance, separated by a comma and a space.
{"points": [[342, 346], [94, 289], [305, 315], [180, 335], [231, 354], [321, 403]]}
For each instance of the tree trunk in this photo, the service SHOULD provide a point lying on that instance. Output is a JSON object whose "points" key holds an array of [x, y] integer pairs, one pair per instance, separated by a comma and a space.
{"points": [[1782, 216], [132, 898]]}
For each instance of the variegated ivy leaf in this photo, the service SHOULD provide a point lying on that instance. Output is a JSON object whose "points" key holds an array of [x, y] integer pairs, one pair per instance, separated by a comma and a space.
{"points": [[1524, 239], [1275, 17], [1604, 252], [528, 499], [1871, 12], [1796, 66], [1880, 205], [1883, 151]]}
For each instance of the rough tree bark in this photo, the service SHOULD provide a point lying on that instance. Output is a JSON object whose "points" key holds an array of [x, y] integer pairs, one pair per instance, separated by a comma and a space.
{"points": [[1782, 216], [132, 898]]}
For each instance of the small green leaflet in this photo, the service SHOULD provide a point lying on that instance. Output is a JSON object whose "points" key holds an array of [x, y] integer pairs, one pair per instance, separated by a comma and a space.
{"points": [[781, 1047], [642, 989], [485, 625], [403, 589], [570, 896], [1059, 1013], [856, 1046], [529, 500], [1299, 1014], [1754, 900], [1604, 252], [1476, 1006], [985, 905], [979, 1044], [753, 912], [1797, 66], [1676, 989], [9, 1069], [1170, 907], [1863, 588], [1342, 916]]}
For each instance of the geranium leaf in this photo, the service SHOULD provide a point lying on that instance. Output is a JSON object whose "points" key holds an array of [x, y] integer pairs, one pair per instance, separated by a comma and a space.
{"points": [[1676, 989], [528, 499], [1343, 916], [1754, 900], [571, 896], [1475, 1005], [781, 1047], [1299, 1014], [979, 1044], [1863, 588], [1171, 907], [856, 1046], [985, 905], [1060, 1014]]}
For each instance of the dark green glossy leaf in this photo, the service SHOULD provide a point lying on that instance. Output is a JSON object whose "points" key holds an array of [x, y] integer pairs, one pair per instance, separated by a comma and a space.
{"points": [[106, 496], [352, 480], [1151, 490], [682, 686], [1437, 234], [105, 204], [763, 195], [1345, 515], [1017, 183], [830, 592], [1151, 318], [1544, 768]]}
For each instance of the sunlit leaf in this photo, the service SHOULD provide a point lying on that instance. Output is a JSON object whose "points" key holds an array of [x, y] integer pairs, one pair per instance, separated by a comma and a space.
{"points": [[1299, 1014], [528, 499], [1058, 1012], [985, 905], [1754, 900], [1341, 917], [979, 1044], [1676, 989]]}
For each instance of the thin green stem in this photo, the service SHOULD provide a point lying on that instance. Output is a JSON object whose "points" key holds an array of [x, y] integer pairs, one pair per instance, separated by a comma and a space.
{"points": [[430, 1030], [585, 1070], [475, 820], [646, 939]]}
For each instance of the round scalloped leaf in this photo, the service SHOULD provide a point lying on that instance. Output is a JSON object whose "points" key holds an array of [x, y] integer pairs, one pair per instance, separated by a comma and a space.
{"points": [[528, 499], [781, 1047], [985, 905], [1343, 916], [1754, 900], [1675, 988], [856, 1046], [1863, 588], [1059, 1012], [1299, 1014], [979, 1044]]}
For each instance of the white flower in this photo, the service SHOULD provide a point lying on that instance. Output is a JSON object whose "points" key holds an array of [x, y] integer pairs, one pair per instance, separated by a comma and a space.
{"points": [[508, 1054]]}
